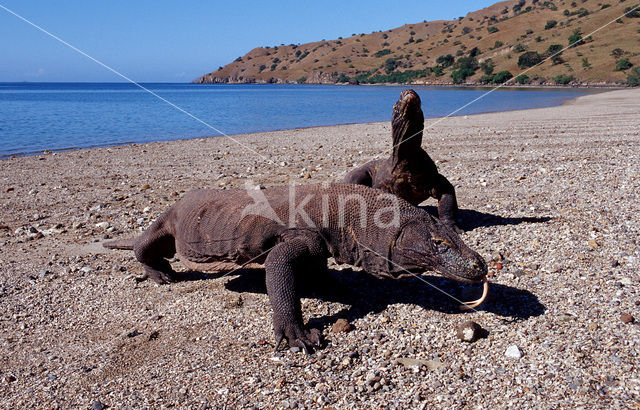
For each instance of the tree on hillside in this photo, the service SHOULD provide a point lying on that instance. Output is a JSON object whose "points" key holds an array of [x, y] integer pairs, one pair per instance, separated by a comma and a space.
{"points": [[529, 59], [502, 77], [633, 14], [634, 76], [554, 51], [576, 39], [623, 64], [390, 64], [617, 53], [465, 67], [563, 79], [445, 61], [460, 75], [488, 66], [474, 52]]}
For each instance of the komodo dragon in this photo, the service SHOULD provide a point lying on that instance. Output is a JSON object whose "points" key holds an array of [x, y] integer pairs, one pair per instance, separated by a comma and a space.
{"points": [[294, 229], [409, 173]]}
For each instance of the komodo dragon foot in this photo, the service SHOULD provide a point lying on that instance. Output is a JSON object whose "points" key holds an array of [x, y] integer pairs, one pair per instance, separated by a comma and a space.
{"points": [[160, 273], [296, 336]]}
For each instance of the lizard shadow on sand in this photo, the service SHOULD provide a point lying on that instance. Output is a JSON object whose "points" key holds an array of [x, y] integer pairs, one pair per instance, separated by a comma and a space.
{"points": [[364, 294], [470, 219]]}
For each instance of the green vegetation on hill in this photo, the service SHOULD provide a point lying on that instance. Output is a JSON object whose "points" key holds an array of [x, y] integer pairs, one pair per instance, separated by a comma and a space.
{"points": [[482, 47]]}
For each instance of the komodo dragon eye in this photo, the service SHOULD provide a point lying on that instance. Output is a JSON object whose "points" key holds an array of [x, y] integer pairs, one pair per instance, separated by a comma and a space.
{"points": [[440, 244]]}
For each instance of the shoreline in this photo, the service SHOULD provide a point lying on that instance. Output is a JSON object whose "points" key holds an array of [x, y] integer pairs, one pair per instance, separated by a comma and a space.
{"points": [[67, 149], [548, 196]]}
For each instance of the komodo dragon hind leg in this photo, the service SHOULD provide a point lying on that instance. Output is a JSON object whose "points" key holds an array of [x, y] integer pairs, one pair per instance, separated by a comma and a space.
{"points": [[286, 261], [151, 250]]}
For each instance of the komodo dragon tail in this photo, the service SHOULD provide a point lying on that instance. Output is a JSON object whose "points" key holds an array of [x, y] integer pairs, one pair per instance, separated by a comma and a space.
{"points": [[120, 244]]}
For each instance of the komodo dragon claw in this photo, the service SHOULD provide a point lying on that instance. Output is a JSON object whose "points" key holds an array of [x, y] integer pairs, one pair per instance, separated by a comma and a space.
{"points": [[307, 340]]}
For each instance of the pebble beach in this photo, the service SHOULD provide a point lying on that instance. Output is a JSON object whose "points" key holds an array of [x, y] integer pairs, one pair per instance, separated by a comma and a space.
{"points": [[549, 197]]}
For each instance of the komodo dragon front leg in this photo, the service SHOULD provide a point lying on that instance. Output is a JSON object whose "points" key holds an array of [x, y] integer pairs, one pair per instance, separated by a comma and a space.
{"points": [[285, 262], [444, 192]]}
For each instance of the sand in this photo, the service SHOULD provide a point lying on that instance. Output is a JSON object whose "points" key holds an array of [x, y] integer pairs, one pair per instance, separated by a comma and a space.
{"points": [[548, 196]]}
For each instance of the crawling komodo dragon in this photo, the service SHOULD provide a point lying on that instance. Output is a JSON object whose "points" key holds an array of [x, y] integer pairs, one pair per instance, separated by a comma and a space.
{"points": [[294, 229], [409, 173]]}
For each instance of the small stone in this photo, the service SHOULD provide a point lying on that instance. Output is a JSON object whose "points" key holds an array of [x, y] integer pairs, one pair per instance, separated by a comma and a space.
{"points": [[182, 391], [102, 225], [97, 405], [341, 326], [593, 243], [615, 263], [469, 331], [416, 364], [627, 318], [371, 378], [87, 269], [294, 349], [626, 281], [9, 379], [518, 273], [593, 326], [132, 333], [145, 186], [233, 301], [513, 352]]}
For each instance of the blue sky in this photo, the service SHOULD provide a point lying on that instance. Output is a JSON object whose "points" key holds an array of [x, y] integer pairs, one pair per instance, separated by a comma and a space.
{"points": [[171, 41]]}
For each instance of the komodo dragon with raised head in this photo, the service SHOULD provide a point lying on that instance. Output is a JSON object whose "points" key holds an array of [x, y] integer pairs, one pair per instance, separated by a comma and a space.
{"points": [[409, 173], [294, 229]]}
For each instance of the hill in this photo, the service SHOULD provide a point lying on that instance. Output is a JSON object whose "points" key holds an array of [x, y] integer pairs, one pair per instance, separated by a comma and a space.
{"points": [[486, 46]]}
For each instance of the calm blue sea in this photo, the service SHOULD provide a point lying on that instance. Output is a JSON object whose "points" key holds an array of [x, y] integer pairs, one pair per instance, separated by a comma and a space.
{"points": [[56, 116]]}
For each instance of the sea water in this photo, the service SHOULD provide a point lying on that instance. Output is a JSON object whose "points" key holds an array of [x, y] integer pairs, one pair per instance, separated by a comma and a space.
{"points": [[35, 117]]}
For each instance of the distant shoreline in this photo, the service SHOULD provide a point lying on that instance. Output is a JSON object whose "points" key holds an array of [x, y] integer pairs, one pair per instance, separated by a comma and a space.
{"points": [[6, 84]]}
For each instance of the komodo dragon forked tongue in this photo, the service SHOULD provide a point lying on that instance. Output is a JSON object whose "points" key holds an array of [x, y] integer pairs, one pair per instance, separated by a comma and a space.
{"points": [[126, 244]]}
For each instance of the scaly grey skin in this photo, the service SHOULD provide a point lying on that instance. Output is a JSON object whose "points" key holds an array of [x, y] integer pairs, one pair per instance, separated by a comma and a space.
{"points": [[410, 173], [295, 234]]}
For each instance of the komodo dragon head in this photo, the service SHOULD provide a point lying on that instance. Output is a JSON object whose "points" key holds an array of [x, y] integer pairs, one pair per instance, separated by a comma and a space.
{"points": [[426, 244], [407, 124]]}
